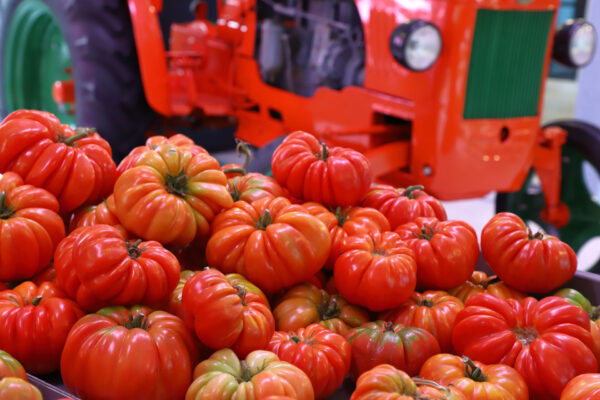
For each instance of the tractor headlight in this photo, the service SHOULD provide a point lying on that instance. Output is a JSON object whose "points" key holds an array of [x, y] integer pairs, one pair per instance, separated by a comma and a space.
{"points": [[575, 43], [416, 44]]}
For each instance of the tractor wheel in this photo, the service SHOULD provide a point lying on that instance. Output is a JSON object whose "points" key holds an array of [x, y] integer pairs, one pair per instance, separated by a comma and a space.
{"points": [[580, 191], [91, 42]]}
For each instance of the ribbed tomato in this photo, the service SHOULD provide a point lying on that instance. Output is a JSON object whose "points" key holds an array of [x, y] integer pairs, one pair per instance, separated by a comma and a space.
{"points": [[12, 388], [97, 267], [253, 186], [381, 342], [306, 304], [225, 314], [46, 275], [30, 228], [403, 205], [376, 270], [34, 323], [102, 213], [548, 341], [434, 311], [333, 176], [322, 354], [446, 251], [10, 366], [534, 263], [479, 282], [270, 241], [585, 386], [75, 166], [476, 380]]}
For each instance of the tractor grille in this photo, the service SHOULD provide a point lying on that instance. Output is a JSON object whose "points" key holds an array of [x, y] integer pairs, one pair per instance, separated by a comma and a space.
{"points": [[507, 61]]}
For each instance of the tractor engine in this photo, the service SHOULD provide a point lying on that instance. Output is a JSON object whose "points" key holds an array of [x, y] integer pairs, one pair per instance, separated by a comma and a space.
{"points": [[304, 44]]}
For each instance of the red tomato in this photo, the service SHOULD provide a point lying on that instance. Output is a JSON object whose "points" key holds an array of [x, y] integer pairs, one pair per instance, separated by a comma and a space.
{"points": [[30, 228], [403, 205], [381, 342], [75, 166], [585, 386], [548, 342], [96, 266], [97, 361], [334, 176], [318, 279], [18, 389], [376, 270], [171, 196], [535, 263], [476, 380], [446, 251], [103, 213], [434, 311], [34, 323], [322, 354], [344, 222], [223, 376], [253, 186], [270, 241], [10, 366], [226, 315], [306, 304], [46, 275], [384, 382], [479, 282]]}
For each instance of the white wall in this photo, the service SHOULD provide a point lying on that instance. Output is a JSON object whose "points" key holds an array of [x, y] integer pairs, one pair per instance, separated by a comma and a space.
{"points": [[588, 98]]}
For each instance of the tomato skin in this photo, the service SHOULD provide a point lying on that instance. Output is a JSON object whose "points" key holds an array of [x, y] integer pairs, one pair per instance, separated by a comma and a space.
{"points": [[270, 241], [10, 366], [35, 334], [46, 275], [254, 186], [30, 228], [333, 176], [446, 251], [322, 354], [433, 310], [100, 214], [97, 267], [12, 388], [381, 342], [77, 170], [501, 382], [171, 196], [479, 282], [261, 374], [548, 341], [401, 205], [97, 364], [530, 263], [224, 314], [306, 304], [584, 386]]}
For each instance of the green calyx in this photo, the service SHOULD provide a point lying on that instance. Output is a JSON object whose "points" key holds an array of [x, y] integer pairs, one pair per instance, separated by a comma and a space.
{"points": [[324, 154], [472, 371], [426, 232], [532, 236], [132, 248], [341, 215], [177, 185], [139, 321], [409, 192], [5, 210], [265, 220], [330, 308]]}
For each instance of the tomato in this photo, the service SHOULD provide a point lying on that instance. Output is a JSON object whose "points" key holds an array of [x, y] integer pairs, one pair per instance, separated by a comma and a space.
{"points": [[172, 304], [97, 361], [333, 176], [585, 386], [446, 251], [96, 266], [434, 311], [18, 389], [535, 263], [344, 222], [10, 366], [270, 241], [46, 275], [319, 279], [253, 186], [479, 282], [306, 304], [548, 341], [34, 323], [475, 380], [171, 196], [102, 213], [75, 166], [384, 382], [376, 271], [30, 228], [322, 354], [179, 140], [403, 205], [226, 315], [223, 376], [381, 342]]}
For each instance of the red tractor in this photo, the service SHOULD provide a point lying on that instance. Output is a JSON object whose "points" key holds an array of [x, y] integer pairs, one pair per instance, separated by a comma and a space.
{"points": [[447, 94]]}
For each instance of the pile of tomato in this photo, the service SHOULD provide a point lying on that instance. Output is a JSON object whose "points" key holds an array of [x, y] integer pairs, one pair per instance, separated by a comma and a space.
{"points": [[170, 276]]}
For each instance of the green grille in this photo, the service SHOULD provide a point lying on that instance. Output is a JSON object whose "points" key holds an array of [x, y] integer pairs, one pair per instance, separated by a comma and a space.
{"points": [[507, 61]]}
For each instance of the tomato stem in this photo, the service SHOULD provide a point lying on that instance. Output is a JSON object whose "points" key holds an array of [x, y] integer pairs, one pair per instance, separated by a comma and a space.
{"points": [[490, 281], [177, 185], [537, 235], [389, 325], [409, 191], [36, 301], [5, 211], [331, 309], [241, 292], [79, 134], [136, 322], [241, 171], [242, 147], [525, 335], [324, 153], [427, 382], [246, 374], [472, 371], [264, 221], [294, 338], [132, 248], [234, 192], [426, 232], [425, 302], [595, 313], [341, 215]]}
